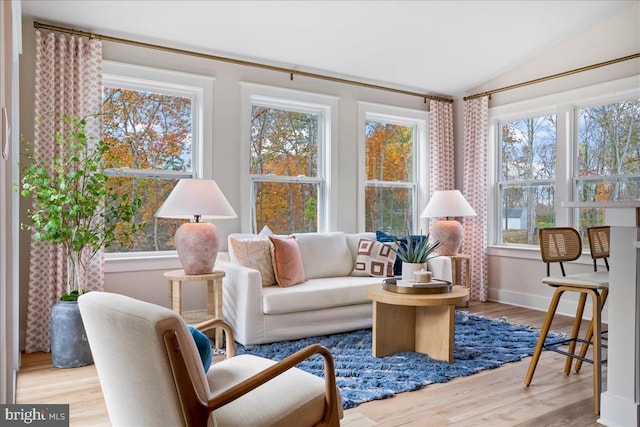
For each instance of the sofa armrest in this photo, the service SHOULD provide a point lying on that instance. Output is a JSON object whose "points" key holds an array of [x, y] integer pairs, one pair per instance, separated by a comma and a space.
{"points": [[440, 267], [242, 298]]}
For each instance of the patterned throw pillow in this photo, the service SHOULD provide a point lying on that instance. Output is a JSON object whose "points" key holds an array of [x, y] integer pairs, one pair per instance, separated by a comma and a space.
{"points": [[287, 261], [375, 258], [256, 254]]}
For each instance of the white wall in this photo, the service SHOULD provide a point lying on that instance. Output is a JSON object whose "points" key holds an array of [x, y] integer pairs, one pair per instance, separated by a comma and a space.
{"points": [[515, 275]]}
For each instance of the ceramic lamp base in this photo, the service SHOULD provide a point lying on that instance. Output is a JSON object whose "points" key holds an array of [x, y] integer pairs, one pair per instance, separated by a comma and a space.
{"points": [[450, 234], [197, 245]]}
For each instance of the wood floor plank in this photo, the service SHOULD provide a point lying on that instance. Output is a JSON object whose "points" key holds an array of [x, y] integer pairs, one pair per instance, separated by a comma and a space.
{"points": [[496, 397]]}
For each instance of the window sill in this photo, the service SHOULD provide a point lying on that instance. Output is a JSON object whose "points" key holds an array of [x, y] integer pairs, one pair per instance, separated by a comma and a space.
{"points": [[121, 263]]}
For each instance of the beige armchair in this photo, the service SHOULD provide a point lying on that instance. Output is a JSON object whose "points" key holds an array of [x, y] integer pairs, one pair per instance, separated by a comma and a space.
{"points": [[151, 373]]}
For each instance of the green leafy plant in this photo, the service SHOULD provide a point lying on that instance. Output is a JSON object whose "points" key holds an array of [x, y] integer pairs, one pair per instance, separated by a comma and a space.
{"points": [[416, 249], [73, 203]]}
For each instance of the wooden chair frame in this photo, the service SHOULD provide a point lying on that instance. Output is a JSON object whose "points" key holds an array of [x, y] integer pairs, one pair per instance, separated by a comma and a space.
{"points": [[196, 411]]}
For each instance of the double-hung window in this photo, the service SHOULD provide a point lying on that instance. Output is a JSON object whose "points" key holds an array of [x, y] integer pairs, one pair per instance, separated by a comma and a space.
{"points": [[394, 177], [152, 122], [577, 146], [289, 143], [527, 183], [608, 156]]}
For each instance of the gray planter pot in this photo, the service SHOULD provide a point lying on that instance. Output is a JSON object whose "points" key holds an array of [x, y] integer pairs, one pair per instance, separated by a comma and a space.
{"points": [[69, 344]]}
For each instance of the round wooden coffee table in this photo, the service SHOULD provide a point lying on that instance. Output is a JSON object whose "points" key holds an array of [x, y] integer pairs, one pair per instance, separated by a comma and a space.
{"points": [[424, 323]]}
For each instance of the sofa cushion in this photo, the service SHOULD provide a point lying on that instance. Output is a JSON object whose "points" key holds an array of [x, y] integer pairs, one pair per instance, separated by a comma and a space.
{"points": [[287, 262], [317, 294], [279, 402], [375, 258], [256, 254], [324, 254]]}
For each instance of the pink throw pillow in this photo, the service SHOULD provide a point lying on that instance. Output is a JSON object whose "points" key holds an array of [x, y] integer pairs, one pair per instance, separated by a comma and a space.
{"points": [[287, 261]]}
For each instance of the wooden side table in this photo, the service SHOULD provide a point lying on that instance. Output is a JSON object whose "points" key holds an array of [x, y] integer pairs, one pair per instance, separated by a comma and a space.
{"points": [[214, 294], [456, 266], [424, 323]]}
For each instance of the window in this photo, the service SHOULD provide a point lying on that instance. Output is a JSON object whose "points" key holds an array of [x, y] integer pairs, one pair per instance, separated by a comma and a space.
{"points": [[392, 171], [582, 145], [527, 177], [289, 140], [608, 153], [152, 124]]}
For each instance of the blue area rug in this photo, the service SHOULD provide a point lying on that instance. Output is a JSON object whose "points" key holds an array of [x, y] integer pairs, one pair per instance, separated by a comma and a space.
{"points": [[480, 344]]}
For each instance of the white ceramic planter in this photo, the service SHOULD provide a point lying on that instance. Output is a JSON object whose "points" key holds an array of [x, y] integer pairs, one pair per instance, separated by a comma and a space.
{"points": [[409, 269]]}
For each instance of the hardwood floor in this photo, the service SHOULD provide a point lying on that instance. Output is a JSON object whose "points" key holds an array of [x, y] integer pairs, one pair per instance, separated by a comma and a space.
{"points": [[489, 398]]}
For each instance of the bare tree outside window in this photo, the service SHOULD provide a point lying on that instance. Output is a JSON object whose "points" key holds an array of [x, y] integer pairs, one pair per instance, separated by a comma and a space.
{"points": [[527, 183], [606, 167], [608, 157]]}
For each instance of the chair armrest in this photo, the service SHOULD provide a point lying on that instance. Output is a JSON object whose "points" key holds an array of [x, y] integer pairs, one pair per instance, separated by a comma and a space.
{"points": [[230, 344], [196, 411], [331, 414]]}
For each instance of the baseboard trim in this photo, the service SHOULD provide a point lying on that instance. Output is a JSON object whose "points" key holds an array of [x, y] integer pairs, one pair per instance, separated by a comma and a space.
{"points": [[541, 303]]}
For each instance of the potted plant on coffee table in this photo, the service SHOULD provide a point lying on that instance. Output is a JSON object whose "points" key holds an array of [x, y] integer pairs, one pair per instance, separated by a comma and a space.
{"points": [[74, 205], [415, 251]]}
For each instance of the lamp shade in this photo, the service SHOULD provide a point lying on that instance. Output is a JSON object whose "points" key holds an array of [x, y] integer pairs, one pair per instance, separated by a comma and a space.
{"points": [[196, 197], [448, 204], [197, 243]]}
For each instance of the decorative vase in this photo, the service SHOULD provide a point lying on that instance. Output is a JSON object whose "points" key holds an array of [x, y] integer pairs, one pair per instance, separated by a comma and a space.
{"points": [[409, 269], [69, 343]]}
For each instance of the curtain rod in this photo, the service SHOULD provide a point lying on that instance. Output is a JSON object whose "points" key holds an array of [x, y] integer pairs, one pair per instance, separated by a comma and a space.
{"points": [[553, 76], [291, 72]]}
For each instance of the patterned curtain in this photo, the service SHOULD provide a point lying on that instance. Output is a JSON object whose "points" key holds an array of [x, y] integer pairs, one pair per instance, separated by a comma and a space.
{"points": [[441, 163], [68, 82], [474, 188]]}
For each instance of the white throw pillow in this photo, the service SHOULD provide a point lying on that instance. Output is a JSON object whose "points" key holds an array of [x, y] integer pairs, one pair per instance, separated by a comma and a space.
{"points": [[324, 254]]}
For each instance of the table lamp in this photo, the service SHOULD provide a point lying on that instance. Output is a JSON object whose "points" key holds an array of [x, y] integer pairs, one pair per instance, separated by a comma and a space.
{"points": [[196, 242], [448, 204]]}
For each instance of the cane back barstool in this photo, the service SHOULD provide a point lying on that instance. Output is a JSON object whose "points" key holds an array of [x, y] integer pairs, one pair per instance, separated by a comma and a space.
{"points": [[563, 244], [599, 249]]}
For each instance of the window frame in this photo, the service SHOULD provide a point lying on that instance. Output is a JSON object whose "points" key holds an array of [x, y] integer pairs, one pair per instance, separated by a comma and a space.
{"points": [[326, 107], [564, 105], [405, 117], [501, 185], [197, 87]]}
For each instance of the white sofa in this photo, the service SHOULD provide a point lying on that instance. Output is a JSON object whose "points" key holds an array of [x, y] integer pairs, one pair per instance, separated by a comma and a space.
{"points": [[332, 299]]}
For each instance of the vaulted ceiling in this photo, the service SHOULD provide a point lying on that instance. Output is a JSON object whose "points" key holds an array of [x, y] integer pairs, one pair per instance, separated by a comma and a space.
{"points": [[437, 47]]}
